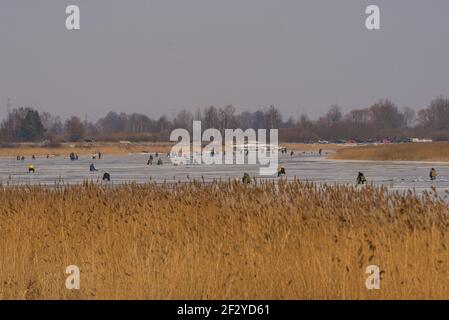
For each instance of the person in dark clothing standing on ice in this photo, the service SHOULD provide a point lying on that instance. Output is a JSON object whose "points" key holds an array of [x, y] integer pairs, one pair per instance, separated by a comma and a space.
{"points": [[361, 178]]}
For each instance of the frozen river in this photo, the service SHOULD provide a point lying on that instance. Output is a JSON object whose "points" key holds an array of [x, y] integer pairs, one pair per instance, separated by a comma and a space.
{"points": [[133, 167]]}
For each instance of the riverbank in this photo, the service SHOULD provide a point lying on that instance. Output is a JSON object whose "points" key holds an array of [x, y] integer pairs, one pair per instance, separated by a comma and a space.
{"points": [[116, 148], [435, 151], [113, 148]]}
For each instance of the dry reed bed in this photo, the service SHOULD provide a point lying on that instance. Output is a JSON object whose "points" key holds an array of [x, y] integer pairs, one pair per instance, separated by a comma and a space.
{"points": [[122, 149], [223, 240], [85, 149], [437, 151]]}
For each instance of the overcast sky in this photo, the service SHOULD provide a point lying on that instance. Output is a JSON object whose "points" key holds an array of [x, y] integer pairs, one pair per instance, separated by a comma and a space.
{"points": [[159, 56]]}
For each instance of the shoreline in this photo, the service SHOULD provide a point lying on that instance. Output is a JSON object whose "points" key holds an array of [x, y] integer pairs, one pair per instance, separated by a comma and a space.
{"points": [[435, 152], [83, 149], [330, 159], [432, 152], [116, 148]]}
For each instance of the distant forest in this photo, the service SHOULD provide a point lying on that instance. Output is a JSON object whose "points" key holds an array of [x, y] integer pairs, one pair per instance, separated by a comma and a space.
{"points": [[381, 120]]}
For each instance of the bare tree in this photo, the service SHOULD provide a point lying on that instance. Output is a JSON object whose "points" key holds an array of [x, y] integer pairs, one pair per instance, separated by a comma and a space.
{"points": [[409, 116], [273, 118], [74, 129], [334, 115], [436, 116], [211, 119], [184, 120]]}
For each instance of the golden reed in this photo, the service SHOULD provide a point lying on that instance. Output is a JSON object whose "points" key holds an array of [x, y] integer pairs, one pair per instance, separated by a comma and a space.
{"points": [[222, 240], [436, 151]]}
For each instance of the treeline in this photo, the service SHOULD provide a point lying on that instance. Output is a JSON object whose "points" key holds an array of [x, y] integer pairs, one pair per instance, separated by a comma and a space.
{"points": [[381, 120]]}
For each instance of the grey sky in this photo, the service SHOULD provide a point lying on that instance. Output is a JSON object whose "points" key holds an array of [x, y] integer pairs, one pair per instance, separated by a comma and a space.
{"points": [[159, 56]]}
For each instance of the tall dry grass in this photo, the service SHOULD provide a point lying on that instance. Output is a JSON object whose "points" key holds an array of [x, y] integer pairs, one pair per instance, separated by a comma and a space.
{"points": [[436, 151], [29, 149], [84, 149], [221, 241]]}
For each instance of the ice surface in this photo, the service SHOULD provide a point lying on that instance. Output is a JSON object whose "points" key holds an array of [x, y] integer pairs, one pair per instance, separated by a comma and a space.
{"points": [[133, 167]]}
